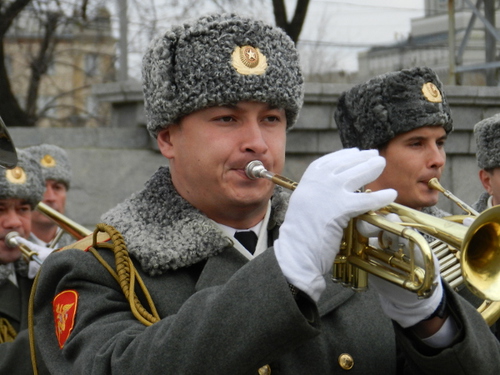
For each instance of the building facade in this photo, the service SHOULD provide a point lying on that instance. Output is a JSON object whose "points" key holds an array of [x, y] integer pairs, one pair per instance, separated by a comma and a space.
{"points": [[78, 55], [429, 44]]}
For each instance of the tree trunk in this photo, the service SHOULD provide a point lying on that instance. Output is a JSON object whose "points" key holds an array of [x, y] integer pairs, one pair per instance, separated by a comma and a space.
{"points": [[294, 27], [10, 111]]}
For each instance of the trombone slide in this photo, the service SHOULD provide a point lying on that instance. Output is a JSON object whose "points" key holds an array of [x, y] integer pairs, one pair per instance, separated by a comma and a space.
{"points": [[76, 230]]}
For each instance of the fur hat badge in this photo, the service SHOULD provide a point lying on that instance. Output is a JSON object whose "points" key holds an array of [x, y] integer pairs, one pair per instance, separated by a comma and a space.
{"points": [[24, 181]]}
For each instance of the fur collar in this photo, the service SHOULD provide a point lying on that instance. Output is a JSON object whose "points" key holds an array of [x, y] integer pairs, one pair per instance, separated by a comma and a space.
{"points": [[165, 232], [20, 267], [482, 203], [435, 211]]}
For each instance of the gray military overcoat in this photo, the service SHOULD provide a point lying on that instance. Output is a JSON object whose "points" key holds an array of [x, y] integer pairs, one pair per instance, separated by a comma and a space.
{"points": [[15, 356], [223, 314]]}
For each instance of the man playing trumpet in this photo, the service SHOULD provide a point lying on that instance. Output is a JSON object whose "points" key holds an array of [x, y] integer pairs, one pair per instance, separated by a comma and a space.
{"points": [[221, 91], [487, 136], [405, 116], [21, 188]]}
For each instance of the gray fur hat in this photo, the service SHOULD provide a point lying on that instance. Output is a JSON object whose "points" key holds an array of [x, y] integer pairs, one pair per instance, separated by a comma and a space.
{"points": [[25, 181], [487, 134], [372, 113], [217, 60], [54, 162]]}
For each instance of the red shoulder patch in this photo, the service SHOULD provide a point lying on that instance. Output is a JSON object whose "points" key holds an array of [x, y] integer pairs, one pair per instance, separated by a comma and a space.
{"points": [[64, 308]]}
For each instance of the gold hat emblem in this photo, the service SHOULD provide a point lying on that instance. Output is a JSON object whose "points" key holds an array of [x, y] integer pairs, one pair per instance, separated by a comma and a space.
{"points": [[431, 92], [48, 161], [16, 175], [249, 60]]}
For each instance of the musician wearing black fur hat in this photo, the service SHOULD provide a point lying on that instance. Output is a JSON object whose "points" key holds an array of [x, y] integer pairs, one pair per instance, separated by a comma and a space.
{"points": [[487, 136], [406, 117], [21, 188], [172, 287]]}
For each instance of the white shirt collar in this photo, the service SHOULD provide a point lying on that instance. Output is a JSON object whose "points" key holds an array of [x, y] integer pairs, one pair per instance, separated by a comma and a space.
{"points": [[260, 229], [489, 204], [12, 275]]}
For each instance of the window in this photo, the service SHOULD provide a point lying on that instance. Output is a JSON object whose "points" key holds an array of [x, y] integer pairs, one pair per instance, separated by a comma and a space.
{"points": [[91, 64]]}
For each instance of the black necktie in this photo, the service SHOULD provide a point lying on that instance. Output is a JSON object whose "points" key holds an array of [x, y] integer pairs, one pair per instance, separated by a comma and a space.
{"points": [[248, 239]]}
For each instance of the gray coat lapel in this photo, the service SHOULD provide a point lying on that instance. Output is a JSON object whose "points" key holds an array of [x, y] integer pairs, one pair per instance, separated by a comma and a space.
{"points": [[9, 305], [14, 302], [333, 296], [219, 269]]}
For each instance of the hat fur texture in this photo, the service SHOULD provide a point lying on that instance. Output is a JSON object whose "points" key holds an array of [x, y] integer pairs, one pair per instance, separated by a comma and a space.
{"points": [[190, 67], [24, 181], [372, 113], [53, 161], [487, 134]]}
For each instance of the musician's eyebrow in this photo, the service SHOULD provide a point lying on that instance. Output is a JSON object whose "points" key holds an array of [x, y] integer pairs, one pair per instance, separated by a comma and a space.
{"points": [[422, 137]]}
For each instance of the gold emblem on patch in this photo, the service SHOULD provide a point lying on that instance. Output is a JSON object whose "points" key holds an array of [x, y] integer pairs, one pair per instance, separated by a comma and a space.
{"points": [[48, 161], [249, 60], [431, 93], [16, 175]]}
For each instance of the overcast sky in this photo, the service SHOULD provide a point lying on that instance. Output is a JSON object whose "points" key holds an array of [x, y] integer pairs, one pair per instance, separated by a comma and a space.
{"points": [[334, 30], [349, 26]]}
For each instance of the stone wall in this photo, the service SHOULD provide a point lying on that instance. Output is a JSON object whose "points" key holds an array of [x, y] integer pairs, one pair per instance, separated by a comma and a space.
{"points": [[111, 163]]}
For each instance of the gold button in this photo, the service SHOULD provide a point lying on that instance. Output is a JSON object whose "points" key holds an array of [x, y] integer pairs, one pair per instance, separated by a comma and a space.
{"points": [[346, 361], [265, 370]]}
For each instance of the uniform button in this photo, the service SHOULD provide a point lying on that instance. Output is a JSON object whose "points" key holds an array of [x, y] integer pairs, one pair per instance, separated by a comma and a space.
{"points": [[346, 361], [265, 370]]}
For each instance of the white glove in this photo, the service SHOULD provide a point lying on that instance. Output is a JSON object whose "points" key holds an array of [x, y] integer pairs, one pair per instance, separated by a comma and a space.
{"points": [[383, 238], [43, 252], [319, 210], [468, 221], [400, 304]]}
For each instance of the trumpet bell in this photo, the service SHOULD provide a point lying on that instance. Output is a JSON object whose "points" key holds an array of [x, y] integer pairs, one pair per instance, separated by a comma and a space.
{"points": [[480, 255]]}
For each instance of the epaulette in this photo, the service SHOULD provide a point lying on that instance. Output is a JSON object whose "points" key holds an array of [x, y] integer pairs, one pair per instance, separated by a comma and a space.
{"points": [[86, 242]]}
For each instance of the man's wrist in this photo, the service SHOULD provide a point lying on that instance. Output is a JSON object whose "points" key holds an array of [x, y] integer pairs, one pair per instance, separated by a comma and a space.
{"points": [[441, 310]]}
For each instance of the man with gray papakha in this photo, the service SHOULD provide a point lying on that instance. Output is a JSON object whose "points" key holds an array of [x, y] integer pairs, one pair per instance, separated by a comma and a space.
{"points": [[222, 91]]}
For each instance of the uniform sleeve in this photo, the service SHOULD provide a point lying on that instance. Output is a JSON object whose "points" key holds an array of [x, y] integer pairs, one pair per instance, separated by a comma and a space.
{"points": [[232, 328], [475, 350]]}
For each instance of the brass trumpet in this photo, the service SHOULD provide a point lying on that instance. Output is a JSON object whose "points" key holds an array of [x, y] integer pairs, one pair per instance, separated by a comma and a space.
{"points": [[74, 229], [479, 245], [450, 257], [11, 240], [357, 257]]}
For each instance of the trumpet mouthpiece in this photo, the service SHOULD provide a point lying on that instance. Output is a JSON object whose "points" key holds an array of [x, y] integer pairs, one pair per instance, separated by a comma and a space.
{"points": [[435, 184], [10, 239], [254, 169]]}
